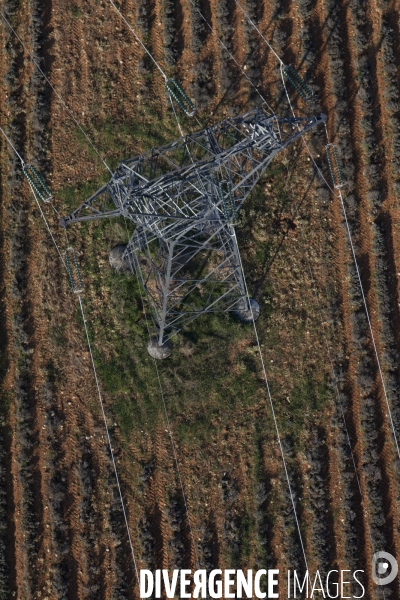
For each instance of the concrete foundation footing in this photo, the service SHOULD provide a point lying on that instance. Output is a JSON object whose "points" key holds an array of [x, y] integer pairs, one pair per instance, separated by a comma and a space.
{"points": [[156, 351], [243, 312]]}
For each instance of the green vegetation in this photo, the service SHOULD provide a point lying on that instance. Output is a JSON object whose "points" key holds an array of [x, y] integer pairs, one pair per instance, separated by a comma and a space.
{"points": [[121, 139], [73, 195], [214, 373], [75, 11], [308, 395], [212, 384]]}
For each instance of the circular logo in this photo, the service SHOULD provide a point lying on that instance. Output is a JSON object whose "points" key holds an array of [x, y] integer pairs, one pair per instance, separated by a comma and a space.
{"points": [[384, 568]]}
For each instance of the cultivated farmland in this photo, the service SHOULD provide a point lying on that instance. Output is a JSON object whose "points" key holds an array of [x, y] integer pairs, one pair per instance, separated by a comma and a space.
{"points": [[62, 531]]}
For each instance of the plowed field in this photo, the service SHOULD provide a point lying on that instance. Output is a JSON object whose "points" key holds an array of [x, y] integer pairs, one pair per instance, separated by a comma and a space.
{"points": [[62, 531]]}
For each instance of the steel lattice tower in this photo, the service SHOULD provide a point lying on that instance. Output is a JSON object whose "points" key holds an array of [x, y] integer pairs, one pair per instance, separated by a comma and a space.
{"points": [[184, 198]]}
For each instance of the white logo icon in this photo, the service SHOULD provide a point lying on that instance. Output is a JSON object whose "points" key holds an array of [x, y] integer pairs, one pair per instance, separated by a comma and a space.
{"points": [[381, 573]]}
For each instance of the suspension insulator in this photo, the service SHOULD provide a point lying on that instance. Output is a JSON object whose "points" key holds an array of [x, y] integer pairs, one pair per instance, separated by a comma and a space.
{"points": [[297, 82], [227, 201], [334, 168], [182, 100], [74, 273], [37, 183]]}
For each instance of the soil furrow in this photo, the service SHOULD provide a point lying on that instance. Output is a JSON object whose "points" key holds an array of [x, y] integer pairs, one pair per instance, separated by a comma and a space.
{"points": [[90, 515], [204, 54], [228, 73], [270, 76], [124, 584], [9, 575], [387, 485], [190, 523], [128, 67], [313, 54], [255, 46], [185, 57], [291, 550], [356, 340], [25, 421], [270, 534], [153, 38], [322, 534], [239, 46], [65, 536]]}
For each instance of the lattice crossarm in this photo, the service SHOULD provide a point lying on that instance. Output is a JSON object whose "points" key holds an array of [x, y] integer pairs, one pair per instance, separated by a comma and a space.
{"points": [[184, 199], [101, 205]]}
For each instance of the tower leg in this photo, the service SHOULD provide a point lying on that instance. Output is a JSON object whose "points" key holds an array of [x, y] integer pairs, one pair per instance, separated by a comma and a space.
{"points": [[246, 309], [236, 263]]}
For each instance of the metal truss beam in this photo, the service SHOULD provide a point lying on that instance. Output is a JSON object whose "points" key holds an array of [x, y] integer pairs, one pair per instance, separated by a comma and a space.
{"points": [[183, 198]]}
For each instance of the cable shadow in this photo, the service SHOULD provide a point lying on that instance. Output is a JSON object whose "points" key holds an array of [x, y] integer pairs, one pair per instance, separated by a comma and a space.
{"points": [[288, 225]]}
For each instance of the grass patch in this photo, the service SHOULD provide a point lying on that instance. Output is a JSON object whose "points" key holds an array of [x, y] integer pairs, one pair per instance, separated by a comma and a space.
{"points": [[308, 396], [72, 196], [213, 374]]}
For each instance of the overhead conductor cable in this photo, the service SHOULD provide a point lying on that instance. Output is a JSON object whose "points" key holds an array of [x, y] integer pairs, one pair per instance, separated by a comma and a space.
{"points": [[337, 179], [254, 325], [54, 90], [76, 284], [71, 265], [278, 435], [173, 88]]}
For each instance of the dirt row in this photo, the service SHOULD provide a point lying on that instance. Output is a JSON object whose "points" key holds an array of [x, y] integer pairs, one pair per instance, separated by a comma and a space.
{"points": [[367, 250], [67, 539]]}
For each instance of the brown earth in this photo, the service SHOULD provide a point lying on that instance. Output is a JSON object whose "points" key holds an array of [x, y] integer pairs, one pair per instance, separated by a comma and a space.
{"points": [[223, 503]]}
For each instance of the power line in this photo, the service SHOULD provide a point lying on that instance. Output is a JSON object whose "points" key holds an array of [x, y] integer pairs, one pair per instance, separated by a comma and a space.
{"points": [[272, 410], [338, 395], [58, 250], [97, 385], [258, 31], [80, 301], [13, 147], [56, 93], [231, 56], [358, 278], [139, 40], [93, 367], [369, 322], [348, 232], [108, 437]]}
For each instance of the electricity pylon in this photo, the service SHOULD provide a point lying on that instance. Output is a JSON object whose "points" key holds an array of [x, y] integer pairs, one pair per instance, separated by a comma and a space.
{"points": [[184, 198]]}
